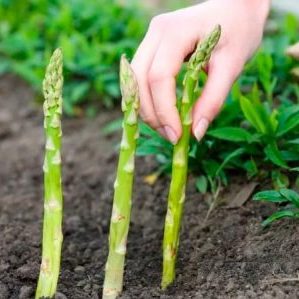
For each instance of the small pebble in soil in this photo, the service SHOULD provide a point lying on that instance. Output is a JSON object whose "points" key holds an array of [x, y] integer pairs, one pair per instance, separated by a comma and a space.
{"points": [[87, 287], [60, 295], [230, 286], [79, 269], [13, 260], [26, 292], [94, 244], [198, 295], [4, 267], [72, 248], [26, 271], [87, 253], [96, 287], [94, 295], [81, 283], [73, 223]]}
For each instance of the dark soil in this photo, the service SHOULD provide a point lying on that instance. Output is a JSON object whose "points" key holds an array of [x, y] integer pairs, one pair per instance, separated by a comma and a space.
{"points": [[232, 257]]}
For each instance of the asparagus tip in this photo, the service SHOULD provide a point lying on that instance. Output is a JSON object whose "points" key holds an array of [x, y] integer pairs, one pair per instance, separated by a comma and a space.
{"points": [[52, 84], [128, 81], [202, 54], [216, 33]]}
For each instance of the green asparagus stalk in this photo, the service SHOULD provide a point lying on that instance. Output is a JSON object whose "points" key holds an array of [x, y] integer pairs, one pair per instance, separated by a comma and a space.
{"points": [[53, 201], [121, 210], [176, 196]]}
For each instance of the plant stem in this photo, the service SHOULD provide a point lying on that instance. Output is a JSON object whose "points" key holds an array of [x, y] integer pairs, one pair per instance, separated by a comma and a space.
{"points": [[53, 201], [176, 196], [120, 219]]}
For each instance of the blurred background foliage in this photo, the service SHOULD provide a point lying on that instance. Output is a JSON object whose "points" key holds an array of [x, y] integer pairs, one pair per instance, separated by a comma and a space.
{"points": [[257, 131], [92, 35]]}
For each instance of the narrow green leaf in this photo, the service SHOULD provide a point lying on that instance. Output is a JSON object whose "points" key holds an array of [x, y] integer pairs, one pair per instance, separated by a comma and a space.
{"points": [[210, 167], [270, 195], [251, 113], [231, 156], [290, 155], [112, 126], [289, 125], [251, 168], [147, 130], [147, 150], [274, 155], [291, 195], [193, 150], [293, 141], [202, 184], [273, 122], [278, 215], [279, 180], [230, 134], [160, 143], [285, 112], [78, 91]]}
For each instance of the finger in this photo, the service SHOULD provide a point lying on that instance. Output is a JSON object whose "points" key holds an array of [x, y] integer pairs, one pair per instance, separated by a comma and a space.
{"points": [[222, 74], [141, 64], [165, 66]]}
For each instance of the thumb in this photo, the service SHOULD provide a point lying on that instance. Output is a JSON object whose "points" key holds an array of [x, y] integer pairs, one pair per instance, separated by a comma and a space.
{"points": [[221, 75]]}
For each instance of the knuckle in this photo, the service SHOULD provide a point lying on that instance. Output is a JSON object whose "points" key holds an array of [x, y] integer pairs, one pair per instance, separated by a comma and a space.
{"points": [[161, 114], [159, 22], [148, 119], [155, 75]]}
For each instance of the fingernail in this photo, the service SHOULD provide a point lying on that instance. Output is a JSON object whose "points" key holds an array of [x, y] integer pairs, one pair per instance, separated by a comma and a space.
{"points": [[162, 132], [201, 128], [171, 135]]}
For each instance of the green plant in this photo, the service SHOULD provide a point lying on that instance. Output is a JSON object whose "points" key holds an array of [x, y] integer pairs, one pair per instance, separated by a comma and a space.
{"points": [[53, 202], [264, 63], [92, 35], [176, 195], [256, 132], [121, 210], [287, 197]]}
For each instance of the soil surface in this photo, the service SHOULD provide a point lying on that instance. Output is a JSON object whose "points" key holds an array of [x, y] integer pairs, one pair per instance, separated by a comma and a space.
{"points": [[232, 257]]}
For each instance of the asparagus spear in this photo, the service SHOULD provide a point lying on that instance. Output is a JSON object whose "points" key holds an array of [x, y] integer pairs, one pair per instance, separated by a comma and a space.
{"points": [[176, 196], [53, 202], [121, 209]]}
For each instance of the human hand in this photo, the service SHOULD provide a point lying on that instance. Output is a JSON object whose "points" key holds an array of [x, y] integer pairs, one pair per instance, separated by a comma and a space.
{"points": [[173, 36]]}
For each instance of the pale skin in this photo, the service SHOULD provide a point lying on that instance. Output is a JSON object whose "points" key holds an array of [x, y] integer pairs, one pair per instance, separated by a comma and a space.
{"points": [[170, 39]]}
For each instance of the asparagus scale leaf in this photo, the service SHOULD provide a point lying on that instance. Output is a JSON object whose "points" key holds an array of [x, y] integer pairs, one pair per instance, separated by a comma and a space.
{"points": [[53, 199], [121, 210], [176, 196]]}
